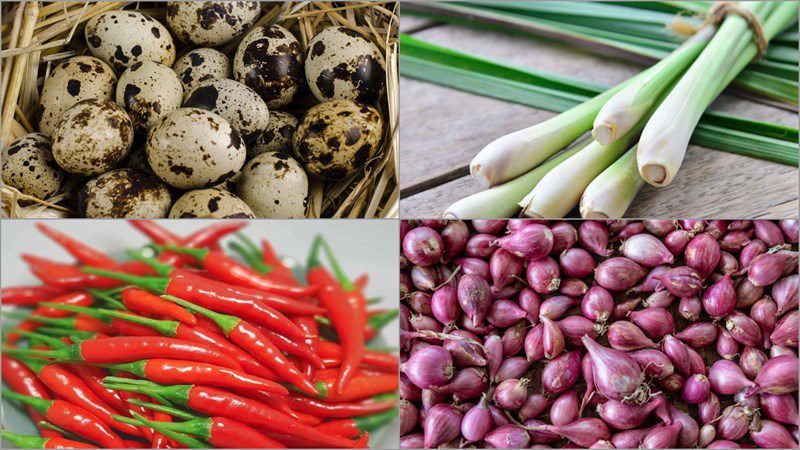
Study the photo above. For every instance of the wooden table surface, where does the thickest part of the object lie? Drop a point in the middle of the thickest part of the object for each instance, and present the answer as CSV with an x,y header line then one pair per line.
x,y
442,129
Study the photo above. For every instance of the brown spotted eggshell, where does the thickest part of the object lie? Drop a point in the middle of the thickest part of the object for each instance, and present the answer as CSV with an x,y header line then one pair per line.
x,y
76,79
210,203
343,64
92,137
122,38
337,138
277,136
235,102
28,166
192,148
124,193
269,60
211,23
199,65
275,186
149,90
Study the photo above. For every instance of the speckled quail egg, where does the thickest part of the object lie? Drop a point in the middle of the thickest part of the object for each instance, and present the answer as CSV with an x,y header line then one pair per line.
x,y
76,79
123,38
270,61
199,65
92,137
149,90
275,186
337,138
211,23
124,193
210,203
28,166
193,148
277,136
235,102
343,64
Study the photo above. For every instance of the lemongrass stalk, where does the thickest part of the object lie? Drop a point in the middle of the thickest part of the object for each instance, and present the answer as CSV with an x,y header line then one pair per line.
x,y
501,200
610,194
516,153
560,190
625,109
665,138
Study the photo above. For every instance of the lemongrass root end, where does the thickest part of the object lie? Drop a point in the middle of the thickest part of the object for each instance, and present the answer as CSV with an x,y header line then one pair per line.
x,y
604,133
655,174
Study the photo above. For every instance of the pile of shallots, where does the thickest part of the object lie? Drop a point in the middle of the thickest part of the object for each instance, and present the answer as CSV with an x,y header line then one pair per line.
x,y
599,334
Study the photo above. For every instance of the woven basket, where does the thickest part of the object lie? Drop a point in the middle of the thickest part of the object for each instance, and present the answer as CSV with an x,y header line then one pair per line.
x,y
35,36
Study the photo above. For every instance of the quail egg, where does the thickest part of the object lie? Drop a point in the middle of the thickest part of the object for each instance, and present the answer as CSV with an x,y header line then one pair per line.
x,y
235,102
28,166
148,90
122,38
78,78
277,136
193,148
92,137
337,138
199,65
210,203
275,186
270,61
211,23
124,193
343,64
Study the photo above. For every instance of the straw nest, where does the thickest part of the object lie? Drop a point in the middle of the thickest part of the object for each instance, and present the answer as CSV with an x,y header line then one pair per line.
x,y
36,36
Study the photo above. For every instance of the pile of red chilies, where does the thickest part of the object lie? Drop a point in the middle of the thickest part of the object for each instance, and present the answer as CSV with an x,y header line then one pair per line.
x,y
599,334
195,349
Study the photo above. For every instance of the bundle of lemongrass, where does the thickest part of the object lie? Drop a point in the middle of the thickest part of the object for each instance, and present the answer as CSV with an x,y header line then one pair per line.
x,y
640,128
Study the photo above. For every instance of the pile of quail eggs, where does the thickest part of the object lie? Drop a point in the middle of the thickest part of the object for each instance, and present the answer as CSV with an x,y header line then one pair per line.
x,y
206,134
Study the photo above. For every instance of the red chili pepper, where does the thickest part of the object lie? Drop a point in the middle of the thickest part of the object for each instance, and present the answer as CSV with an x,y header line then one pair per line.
x,y
123,349
228,270
82,252
209,294
203,237
380,360
22,380
216,402
93,377
29,295
250,338
21,441
361,282
338,410
272,400
75,298
155,232
361,387
143,302
309,326
218,431
66,276
78,322
132,324
301,350
173,371
70,387
346,428
72,418
281,272
160,440
345,306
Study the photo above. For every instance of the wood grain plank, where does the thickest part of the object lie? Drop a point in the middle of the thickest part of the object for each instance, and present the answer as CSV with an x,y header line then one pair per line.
x,y
756,190
444,128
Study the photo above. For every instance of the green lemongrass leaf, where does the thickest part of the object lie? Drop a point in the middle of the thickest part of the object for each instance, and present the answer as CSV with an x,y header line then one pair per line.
x,y
737,135
605,33
611,193
771,86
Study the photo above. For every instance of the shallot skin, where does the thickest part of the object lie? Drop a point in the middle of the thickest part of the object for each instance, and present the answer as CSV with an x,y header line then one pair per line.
x,y
599,333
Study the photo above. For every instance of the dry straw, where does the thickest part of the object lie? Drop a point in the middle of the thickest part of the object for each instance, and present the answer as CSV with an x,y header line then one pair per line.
x,y
36,36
